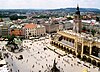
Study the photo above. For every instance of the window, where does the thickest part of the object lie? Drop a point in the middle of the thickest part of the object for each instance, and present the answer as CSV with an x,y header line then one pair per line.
x,y
96,51
86,50
79,47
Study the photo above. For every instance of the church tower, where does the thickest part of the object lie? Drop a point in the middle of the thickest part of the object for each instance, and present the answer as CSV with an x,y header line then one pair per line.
x,y
77,21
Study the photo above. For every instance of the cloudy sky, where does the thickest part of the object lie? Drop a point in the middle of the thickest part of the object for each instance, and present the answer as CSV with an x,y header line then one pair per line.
x,y
47,4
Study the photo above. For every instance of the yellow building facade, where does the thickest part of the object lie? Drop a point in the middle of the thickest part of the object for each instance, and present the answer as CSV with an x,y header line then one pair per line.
x,y
81,45
84,46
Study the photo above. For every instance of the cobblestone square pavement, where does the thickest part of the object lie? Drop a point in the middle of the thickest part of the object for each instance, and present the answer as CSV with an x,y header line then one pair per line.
x,y
38,59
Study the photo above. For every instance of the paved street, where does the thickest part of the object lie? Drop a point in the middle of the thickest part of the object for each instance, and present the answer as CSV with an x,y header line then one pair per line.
x,y
38,59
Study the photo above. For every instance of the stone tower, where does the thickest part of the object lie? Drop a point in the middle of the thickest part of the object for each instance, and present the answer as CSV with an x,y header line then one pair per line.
x,y
77,21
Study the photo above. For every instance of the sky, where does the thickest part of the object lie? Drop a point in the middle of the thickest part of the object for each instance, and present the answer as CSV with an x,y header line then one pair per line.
x,y
47,4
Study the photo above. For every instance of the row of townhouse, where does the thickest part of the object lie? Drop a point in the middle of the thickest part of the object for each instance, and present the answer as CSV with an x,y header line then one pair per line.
x,y
25,30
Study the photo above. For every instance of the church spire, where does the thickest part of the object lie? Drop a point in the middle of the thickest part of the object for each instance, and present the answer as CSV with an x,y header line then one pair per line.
x,y
77,21
77,7
77,10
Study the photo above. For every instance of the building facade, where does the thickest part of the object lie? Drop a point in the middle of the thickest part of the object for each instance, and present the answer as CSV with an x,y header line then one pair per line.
x,y
4,30
33,30
16,32
77,21
52,26
84,46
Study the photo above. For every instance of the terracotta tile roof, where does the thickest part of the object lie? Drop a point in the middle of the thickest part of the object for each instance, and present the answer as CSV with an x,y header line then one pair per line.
x,y
30,25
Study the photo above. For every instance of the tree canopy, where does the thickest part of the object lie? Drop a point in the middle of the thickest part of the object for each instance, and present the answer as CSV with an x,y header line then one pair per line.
x,y
11,38
93,32
16,17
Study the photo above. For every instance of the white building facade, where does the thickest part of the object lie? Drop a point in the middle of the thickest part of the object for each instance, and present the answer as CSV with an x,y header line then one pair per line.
x,y
33,30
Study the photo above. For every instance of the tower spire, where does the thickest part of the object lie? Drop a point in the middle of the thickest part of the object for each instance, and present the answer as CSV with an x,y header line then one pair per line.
x,y
77,21
77,10
77,7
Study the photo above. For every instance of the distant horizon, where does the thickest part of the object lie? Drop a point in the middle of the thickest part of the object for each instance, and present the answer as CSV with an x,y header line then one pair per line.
x,y
43,9
48,4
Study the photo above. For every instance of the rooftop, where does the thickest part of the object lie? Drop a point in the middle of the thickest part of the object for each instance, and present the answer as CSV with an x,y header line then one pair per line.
x,y
82,35
31,25
16,26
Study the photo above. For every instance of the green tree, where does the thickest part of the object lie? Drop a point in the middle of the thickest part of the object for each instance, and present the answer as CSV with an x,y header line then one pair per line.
x,y
69,18
10,39
22,17
93,32
13,17
84,28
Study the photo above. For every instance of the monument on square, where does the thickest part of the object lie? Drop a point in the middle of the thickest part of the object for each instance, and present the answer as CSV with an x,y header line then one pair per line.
x,y
54,68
